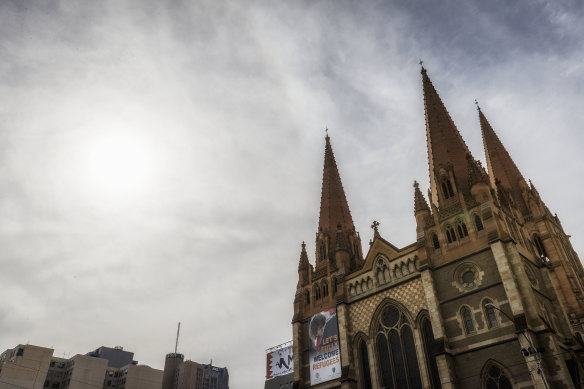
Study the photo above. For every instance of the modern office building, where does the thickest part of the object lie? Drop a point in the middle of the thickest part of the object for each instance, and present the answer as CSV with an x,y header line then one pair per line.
x,y
34,367
181,374
24,366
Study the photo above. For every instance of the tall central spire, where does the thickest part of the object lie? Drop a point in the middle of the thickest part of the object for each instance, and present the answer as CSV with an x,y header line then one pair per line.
x,y
446,148
501,166
334,209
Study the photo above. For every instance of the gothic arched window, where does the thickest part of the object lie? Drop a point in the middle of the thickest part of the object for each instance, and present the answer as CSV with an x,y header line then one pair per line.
x,y
430,348
447,189
478,222
539,246
461,228
492,321
307,298
467,320
396,350
322,251
324,289
450,235
334,285
435,241
495,378
364,359
316,292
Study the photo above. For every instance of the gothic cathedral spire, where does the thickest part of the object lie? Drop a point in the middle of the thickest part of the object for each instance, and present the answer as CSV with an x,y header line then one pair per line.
x,y
502,169
336,231
447,152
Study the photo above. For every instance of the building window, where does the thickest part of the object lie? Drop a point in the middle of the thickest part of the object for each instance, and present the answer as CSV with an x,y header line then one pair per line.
x,y
430,348
307,297
447,189
539,246
324,289
316,292
450,235
467,321
495,378
364,359
322,251
396,350
461,228
478,222
20,352
435,241
492,321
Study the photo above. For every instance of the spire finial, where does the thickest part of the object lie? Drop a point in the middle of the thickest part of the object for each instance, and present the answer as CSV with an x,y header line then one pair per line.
x,y
326,132
423,70
374,225
477,104
416,185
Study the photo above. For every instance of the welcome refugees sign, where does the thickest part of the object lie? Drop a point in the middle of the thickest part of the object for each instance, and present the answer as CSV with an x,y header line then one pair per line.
x,y
324,354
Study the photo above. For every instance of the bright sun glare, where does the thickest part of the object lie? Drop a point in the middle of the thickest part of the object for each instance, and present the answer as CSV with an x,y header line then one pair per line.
x,y
118,165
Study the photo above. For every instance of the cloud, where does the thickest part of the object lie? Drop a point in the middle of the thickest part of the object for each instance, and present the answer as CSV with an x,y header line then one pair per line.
x,y
232,100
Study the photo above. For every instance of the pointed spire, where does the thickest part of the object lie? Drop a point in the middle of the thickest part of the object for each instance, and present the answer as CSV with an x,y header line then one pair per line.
x,y
445,144
420,203
334,209
303,263
501,166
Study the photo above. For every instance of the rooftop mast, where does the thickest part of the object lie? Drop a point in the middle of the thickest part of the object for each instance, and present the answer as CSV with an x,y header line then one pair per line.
x,y
177,332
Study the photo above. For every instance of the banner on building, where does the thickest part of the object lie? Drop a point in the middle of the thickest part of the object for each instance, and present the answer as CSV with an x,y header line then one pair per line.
x,y
279,360
325,353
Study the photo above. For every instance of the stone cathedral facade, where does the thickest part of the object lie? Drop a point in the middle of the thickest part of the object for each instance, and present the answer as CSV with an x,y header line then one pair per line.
x,y
490,295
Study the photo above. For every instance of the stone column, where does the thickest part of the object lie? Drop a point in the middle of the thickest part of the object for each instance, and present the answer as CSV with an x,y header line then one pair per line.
x,y
444,362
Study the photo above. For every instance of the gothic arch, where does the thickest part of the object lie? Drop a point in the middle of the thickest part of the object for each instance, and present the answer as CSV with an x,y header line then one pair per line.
x,y
492,319
449,232
461,228
381,306
396,352
495,376
316,292
429,346
540,248
469,326
447,189
435,241
361,354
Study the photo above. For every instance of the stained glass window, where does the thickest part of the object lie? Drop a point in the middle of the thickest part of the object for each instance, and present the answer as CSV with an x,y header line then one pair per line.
x,y
397,351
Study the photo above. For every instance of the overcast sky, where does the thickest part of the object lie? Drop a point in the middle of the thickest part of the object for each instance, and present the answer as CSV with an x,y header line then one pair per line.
x,y
161,161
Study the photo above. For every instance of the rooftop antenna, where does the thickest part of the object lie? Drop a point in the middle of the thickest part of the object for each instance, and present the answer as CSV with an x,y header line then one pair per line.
x,y
177,332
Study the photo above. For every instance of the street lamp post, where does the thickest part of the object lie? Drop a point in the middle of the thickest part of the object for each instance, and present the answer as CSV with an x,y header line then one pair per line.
x,y
530,350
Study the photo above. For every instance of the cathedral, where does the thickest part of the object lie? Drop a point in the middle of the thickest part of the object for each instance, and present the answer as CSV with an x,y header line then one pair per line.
x,y
489,295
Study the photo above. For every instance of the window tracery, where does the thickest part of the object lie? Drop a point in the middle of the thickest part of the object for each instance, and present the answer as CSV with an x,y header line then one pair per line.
x,y
494,377
396,350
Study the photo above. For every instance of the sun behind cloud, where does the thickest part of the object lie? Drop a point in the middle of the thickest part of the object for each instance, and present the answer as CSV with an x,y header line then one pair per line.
x,y
118,166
